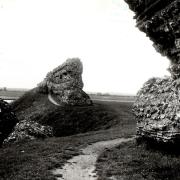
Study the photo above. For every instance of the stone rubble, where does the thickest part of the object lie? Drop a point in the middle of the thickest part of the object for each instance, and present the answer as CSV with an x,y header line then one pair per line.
x,y
28,130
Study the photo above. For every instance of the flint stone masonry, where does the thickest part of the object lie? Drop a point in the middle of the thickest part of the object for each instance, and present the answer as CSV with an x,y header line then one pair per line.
x,y
49,109
65,83
160,20
157,107
28,130
157,110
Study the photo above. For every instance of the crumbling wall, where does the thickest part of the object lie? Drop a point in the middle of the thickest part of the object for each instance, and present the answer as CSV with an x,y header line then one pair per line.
x,y
157,108
65,83
160,20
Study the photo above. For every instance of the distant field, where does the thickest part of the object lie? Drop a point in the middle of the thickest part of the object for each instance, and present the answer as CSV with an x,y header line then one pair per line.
x,y
121,98
12,94
15,94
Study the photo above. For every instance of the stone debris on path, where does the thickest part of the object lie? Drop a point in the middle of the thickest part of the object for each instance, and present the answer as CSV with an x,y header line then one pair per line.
x,y
82,167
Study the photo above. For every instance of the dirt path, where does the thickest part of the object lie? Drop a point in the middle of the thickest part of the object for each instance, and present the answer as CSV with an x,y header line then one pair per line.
x,y
82,167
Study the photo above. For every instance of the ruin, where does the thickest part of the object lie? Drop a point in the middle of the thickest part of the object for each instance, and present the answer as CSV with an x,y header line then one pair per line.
x,y
56,107
64,84
157,108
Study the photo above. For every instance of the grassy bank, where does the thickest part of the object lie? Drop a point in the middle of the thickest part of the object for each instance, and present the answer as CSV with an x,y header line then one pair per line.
x,y
132,162
36,159
69,120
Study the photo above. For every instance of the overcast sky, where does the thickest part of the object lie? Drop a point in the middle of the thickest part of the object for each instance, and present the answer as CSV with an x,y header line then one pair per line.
x,y
38,35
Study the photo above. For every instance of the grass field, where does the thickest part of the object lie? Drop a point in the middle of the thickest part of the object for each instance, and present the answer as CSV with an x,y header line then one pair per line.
x,y
36,159
131,162
69,120
15,93
11,94
122,98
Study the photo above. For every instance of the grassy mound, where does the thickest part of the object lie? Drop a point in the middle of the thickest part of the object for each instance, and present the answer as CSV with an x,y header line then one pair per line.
x,y
68,120
35,159
129,161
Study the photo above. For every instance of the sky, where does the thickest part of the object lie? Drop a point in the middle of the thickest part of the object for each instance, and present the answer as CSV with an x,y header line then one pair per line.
x,y
38,35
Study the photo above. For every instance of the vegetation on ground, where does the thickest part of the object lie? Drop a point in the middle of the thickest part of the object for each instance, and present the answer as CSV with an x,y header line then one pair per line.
x,y
131,161
7,120
69,120
11,93
35,159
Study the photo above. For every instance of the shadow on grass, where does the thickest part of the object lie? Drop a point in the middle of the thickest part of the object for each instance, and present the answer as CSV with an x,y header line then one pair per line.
x,y
171,148
138,162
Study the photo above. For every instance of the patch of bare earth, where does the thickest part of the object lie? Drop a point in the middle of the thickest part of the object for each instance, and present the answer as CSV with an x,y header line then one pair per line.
x,y
82,167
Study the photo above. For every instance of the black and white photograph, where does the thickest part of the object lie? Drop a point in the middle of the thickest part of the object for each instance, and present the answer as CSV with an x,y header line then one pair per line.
x,y
89,89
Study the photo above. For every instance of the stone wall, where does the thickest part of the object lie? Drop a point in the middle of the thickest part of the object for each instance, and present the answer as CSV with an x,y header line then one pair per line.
x,y
160,20
157,108
65,83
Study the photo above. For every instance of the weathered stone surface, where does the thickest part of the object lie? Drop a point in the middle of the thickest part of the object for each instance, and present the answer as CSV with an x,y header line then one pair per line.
x,y
28,130
65,84
50,108
157,110
7,120
160,20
